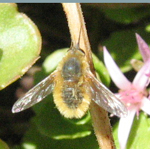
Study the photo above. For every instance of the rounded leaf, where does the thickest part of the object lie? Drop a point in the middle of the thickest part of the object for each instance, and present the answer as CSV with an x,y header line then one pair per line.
x,y
3,145
20,43
127,15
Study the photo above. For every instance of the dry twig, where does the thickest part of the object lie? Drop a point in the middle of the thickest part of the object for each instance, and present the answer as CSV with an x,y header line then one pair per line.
x,y
99,116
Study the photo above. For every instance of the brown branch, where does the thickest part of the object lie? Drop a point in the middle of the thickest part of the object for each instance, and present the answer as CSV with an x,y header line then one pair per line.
x,y
99,116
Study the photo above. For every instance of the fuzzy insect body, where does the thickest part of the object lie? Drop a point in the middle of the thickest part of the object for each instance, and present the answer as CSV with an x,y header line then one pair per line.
x,y
73,86
71,92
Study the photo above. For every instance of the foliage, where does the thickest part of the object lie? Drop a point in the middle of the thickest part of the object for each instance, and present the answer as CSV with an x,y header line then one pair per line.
x,y
20,44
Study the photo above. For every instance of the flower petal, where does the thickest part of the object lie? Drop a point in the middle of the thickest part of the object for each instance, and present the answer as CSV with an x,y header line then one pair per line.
x,y
125,125
143,47
141,79
146,105
116,75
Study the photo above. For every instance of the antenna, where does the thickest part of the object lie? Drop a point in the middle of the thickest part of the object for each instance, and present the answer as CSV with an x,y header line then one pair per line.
x,y
75,45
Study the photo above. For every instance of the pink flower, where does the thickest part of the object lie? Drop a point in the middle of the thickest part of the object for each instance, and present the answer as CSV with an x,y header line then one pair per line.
x,y
132,94
143,47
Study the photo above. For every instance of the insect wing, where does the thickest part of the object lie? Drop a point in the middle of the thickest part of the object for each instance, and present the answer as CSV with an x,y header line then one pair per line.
x,y
35,95
105,98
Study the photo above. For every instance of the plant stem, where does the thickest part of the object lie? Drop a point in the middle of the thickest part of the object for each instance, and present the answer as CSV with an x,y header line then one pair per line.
x,y
99,116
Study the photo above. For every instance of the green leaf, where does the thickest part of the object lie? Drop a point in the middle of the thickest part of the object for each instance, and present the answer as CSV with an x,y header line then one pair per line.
x,y
101,70
3,145
20,43
127,15
35,140
53,59
50,122
139,134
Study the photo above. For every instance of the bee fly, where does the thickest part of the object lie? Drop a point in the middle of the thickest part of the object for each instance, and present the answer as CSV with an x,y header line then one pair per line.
x,y
73,86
